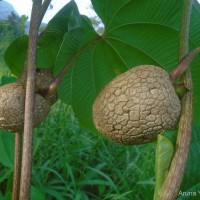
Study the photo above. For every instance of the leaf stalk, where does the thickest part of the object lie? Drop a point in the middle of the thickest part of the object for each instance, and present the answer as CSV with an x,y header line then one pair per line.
x,y
183,65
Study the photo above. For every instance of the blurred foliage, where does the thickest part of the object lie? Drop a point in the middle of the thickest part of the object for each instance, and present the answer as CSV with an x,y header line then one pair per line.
x,y
9,29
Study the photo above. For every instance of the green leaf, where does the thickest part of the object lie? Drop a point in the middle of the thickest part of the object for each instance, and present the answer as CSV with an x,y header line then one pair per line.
x,y
36,144
8,196
7,79
7,149
15,54
48,47
36,194
136,32
191,182
7,144
7,176
53,193
73,42
107,10
164,154
59,23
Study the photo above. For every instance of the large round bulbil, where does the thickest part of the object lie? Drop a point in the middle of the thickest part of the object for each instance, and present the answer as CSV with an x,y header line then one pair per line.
x,y
12,103
137,105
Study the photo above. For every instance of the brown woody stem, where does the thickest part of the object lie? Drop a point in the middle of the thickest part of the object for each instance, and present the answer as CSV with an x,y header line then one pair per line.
x,y
26,170
29,73
17,167
42,10
178,164
183,64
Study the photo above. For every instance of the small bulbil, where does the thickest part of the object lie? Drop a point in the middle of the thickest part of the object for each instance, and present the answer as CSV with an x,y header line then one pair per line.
x,y
12,103
137,105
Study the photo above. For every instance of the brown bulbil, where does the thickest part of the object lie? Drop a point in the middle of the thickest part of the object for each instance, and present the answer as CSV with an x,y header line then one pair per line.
x,y
12,101
137,105
43,78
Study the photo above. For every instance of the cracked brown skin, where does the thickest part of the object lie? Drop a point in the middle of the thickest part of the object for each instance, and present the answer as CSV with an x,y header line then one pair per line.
x,y
137,105
12,103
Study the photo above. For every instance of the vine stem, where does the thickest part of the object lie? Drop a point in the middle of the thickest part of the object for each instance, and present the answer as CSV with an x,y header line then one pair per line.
x,y
38,11
176,171
40,16
25,183
17,167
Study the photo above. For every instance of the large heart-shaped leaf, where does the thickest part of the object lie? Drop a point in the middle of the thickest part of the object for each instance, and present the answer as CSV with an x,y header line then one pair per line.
x,y
136,32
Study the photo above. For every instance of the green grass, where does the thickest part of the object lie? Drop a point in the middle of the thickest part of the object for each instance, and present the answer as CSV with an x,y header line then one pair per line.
x,y
73,163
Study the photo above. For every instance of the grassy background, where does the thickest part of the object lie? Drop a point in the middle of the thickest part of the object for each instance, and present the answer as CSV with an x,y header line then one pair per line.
x,y
72,163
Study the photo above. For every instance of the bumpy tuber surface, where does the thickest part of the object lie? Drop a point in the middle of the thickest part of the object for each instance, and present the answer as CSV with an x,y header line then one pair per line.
x,y
12,102
137,105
